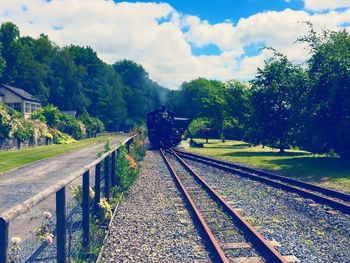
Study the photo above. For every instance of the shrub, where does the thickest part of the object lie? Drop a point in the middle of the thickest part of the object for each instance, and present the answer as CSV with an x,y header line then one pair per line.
x,y
62,138
71,126
48,114
140,132
22,129
5,122
92,125
138,149
127,169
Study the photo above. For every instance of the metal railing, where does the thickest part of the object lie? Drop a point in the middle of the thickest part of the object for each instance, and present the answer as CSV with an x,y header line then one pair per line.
x,y
59,189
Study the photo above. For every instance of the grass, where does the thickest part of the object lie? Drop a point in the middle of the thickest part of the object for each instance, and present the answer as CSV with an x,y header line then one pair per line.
x,y
326,171
18,158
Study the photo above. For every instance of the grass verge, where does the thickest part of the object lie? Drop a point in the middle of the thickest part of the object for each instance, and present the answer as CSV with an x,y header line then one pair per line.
x,y
17,158
320,169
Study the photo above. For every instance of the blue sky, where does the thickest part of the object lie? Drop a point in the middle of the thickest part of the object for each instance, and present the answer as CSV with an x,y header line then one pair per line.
x,y
180,40
216,11
228,10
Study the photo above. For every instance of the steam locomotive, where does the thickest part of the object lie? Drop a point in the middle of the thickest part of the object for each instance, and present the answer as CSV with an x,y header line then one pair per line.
x,y
164,129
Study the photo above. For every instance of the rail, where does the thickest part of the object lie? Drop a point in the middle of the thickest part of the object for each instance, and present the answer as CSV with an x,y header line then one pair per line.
x,y
318,194
59,189
260,243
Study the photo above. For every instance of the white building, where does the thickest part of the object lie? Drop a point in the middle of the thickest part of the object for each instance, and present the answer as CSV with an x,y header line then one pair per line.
x,y
19,100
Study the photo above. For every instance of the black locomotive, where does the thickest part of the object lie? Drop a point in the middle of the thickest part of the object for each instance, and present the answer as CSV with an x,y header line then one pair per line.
x,y
164,129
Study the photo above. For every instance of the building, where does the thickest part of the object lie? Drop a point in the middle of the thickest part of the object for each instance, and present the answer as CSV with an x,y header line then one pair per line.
x,y
19,100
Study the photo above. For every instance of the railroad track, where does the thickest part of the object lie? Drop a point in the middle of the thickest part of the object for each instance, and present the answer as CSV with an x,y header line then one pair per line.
x,y
337,200
230,238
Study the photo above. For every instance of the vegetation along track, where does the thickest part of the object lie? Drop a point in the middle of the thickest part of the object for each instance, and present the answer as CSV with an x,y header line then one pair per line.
x,y
230,237
329,197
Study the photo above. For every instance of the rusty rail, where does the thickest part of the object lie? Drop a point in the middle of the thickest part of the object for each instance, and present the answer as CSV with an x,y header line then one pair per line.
x,y
219,253
259,242
319,194
59,189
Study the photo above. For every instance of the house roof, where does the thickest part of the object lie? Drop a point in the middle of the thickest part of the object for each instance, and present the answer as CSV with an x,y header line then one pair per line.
x,y
21,93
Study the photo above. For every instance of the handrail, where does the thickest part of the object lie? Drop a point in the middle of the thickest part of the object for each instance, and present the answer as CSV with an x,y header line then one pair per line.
x,y
24,207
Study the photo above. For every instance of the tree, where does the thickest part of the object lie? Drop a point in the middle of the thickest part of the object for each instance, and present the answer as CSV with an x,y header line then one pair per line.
x,y
215,107
329,96
238,108
275,94
2,62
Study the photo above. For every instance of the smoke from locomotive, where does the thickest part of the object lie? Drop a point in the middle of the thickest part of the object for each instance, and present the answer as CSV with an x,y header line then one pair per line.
x,y
164,129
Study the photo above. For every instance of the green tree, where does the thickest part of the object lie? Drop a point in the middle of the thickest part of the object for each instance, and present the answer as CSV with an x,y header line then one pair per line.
x,y
215,107
238,109
328,105
275,93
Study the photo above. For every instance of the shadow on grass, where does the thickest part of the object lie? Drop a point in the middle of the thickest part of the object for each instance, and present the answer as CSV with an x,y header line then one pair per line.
x,y
228,146
265,154
314,169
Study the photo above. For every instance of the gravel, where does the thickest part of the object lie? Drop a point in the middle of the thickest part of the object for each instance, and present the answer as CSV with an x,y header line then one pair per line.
x,y
217,220
152,224
307,230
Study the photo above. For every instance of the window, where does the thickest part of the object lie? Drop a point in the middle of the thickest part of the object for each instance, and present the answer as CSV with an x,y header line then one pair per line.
x,y
32,107
27,107
16,106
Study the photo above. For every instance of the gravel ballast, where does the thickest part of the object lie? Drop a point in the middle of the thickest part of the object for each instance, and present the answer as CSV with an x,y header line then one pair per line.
x,y
152,224
309,231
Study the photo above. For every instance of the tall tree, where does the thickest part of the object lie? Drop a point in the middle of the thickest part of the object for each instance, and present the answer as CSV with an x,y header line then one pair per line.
x,y
329,95
274,95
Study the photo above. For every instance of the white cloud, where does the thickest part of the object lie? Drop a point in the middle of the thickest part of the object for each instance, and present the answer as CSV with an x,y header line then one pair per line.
x,y
318,5
153,34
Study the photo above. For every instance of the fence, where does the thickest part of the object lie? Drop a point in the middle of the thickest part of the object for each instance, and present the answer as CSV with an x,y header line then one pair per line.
x,y
59,189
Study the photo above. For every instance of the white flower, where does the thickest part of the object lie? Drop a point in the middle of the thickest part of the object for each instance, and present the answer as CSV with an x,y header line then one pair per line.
x,y
49,240
15,241
47,215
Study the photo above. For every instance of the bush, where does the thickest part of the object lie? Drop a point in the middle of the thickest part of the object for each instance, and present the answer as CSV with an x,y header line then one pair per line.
x,y
22,129
48,114
92,125
5,122
127,169
140,131
138,149
62,138
196,127
71,126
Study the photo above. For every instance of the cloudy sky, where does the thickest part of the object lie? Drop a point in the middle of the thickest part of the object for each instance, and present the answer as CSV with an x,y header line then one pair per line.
x,y
179,40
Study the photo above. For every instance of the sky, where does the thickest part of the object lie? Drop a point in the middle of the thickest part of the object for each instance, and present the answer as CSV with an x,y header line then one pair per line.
x,y
180,40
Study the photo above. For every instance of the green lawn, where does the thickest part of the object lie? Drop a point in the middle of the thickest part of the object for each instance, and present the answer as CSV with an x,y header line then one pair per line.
x,y
322,170
17,158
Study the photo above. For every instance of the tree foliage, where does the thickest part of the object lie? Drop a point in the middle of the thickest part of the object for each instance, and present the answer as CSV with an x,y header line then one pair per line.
x,y
286,105
328,104
74,78
276,93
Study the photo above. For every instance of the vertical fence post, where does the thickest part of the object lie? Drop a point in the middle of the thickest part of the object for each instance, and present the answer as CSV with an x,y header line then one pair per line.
x,y
97,188
106,175
4,239
128,146
61,225
86,217
113,169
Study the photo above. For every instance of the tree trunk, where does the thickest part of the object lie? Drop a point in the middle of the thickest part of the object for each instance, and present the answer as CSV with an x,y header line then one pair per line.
x,y
222,137
281,146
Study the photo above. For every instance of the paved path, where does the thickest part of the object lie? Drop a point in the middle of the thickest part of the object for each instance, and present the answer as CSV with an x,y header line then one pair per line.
x,y
18,185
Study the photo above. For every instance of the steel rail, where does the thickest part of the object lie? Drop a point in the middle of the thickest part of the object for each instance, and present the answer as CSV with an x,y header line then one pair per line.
x,y
326,191
219,253
260,243
287,184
